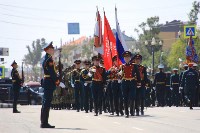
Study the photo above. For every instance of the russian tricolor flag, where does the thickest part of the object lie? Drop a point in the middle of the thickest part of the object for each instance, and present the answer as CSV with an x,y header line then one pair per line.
x,y
120,42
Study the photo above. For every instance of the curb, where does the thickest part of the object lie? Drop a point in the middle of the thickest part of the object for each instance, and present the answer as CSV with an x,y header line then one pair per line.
x,y
6,105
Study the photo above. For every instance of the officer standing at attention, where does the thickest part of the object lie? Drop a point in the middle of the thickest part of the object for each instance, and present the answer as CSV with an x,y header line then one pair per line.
x,y
16,85
76,84
98,81
130,76
140,91
190,82
174,82
159,83
49,84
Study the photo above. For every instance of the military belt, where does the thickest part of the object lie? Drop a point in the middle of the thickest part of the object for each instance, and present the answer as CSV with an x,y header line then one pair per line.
x,y
167,85
13,81
47,76
129,79
160,83
175,83
77,80
96,80
88,81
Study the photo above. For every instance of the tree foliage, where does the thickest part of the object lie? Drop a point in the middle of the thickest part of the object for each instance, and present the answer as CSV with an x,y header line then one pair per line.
x,y
33,56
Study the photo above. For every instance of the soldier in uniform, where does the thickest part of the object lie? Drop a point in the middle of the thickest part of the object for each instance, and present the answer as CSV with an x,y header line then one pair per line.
x,y
159,83
86,81
168,90
190,82
197,90
16,85
174,82
140,91
129,83
115,87
181,88
76,84
49,84
98,81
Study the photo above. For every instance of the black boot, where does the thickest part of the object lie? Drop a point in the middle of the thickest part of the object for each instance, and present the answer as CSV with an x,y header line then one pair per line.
x,y
44,118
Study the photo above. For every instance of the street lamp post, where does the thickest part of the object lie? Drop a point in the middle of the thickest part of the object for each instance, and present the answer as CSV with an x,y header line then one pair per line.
x,y
152,45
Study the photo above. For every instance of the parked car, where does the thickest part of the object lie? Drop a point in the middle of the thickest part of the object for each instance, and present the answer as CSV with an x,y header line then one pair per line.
x,y
27,95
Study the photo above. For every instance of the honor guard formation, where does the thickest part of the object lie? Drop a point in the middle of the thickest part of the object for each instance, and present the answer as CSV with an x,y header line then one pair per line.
x,y
123,90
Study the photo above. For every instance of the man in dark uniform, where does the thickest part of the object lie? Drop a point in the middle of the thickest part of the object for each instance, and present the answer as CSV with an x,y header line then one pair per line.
x,y
181,88
16,82
115,87
130,76
159,83
140,91
168,90
98,81
174,82
190,82
197,90
86,81
49,84
76,84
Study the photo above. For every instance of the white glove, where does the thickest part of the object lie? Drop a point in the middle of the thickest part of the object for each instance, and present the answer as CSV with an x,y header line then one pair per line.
x,y
72,85
93,70
62,85
171,88
154,88
89,74
180,88
119,81
85,84
120,73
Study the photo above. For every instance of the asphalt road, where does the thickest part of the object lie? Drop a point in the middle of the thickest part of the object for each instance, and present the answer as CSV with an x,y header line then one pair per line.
x,y
155,120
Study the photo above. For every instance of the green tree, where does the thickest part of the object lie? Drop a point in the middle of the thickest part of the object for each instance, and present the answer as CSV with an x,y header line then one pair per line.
x,y
193,14
34,56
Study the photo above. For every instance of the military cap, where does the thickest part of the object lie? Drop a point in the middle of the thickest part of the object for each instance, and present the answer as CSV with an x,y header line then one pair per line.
x,y
87,62
47,46
114,58
13,63
77,61
175,69
126,53
95,58
137,56
161,66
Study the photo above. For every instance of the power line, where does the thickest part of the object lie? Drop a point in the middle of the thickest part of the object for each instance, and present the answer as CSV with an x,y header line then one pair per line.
x,y
27,25
34,18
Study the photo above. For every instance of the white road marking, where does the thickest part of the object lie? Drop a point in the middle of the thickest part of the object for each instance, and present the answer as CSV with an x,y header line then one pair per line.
x,y
86,116
99,118
137,128
116,123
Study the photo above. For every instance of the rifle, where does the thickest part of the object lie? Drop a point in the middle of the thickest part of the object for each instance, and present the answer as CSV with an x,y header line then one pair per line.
x,y
63,91
22,73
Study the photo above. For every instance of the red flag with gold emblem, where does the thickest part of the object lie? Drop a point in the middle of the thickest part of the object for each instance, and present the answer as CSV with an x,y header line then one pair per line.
x,y
109,44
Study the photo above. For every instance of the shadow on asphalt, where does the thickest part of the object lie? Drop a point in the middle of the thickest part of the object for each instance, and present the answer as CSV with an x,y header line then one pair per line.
x,y
72,128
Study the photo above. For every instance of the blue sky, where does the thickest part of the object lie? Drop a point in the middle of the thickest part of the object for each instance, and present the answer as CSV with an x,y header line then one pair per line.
x,y
22,21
